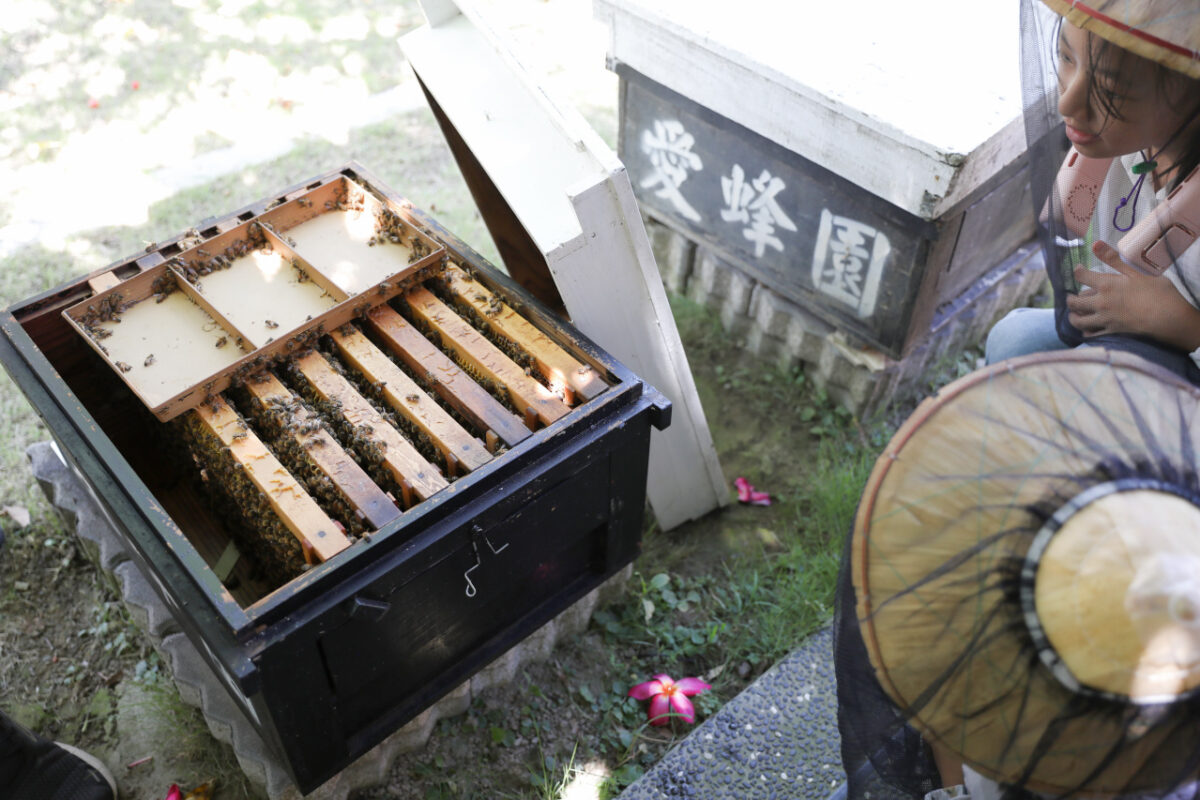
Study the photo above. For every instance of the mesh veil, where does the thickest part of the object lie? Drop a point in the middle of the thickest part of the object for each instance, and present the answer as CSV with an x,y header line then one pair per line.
x,y
930,596
1058,200
1121,413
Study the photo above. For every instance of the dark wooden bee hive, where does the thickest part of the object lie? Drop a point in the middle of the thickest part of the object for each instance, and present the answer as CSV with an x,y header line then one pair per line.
x,y
353,504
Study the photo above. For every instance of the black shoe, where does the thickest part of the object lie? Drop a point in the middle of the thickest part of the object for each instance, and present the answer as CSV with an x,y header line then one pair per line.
x,y
32,768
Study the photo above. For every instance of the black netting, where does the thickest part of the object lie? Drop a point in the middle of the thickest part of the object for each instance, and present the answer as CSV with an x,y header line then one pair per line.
x,y
1058,428
878,744
1101,200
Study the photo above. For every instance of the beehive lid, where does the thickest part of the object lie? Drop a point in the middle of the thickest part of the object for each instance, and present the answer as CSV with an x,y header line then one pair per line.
x,y
553,192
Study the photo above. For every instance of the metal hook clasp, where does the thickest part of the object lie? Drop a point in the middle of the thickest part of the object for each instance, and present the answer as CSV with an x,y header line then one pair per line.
x,y
471,590
476,535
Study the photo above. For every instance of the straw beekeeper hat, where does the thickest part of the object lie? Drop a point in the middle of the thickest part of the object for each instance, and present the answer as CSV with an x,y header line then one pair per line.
x,y
1026,563
1165,31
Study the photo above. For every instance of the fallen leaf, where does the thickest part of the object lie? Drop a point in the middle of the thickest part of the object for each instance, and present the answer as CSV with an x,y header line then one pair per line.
x,y
769,539
202,792
18,514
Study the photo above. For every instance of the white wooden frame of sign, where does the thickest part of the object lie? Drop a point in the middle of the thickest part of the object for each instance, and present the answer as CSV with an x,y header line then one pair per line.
x,y
573,197
888,95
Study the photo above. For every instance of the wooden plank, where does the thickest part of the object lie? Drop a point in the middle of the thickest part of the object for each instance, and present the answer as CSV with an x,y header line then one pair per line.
x,y
368,500
455,443
560,368
449,380
103,282
522,259
297,510
477,353
400,458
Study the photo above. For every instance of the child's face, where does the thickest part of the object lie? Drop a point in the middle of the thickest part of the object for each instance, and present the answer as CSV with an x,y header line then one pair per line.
x,y
1148,119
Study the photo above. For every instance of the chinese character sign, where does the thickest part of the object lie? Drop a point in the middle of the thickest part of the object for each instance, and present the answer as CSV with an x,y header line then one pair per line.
x,y
753,203
669,147
848,262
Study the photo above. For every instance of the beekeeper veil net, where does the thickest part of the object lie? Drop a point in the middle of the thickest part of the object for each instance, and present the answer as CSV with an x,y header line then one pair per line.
x,y
1126,76
1022,583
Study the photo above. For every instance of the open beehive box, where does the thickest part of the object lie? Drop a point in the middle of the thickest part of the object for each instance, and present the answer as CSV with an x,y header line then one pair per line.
x,y
355,460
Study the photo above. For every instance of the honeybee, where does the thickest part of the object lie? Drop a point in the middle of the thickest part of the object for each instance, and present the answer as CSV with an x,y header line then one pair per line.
x,y
270,323
237,437
413,398
224,340
303,202
149,360
121,365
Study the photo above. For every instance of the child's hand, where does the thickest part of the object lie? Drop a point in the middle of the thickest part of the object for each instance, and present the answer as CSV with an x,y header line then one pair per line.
x,y
1131,302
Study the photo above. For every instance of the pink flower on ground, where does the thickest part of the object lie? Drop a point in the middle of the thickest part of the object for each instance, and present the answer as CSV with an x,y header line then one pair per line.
x,y
665,694
748,494
173,793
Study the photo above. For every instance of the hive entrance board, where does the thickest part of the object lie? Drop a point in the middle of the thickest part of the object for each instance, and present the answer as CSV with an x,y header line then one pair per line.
x,y
225,306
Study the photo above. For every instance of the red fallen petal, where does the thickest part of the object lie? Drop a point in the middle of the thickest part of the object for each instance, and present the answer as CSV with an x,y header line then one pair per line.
x,y
93,102
660,708
687,712
135,86
645,690
760,499
173,793
692,686
743,489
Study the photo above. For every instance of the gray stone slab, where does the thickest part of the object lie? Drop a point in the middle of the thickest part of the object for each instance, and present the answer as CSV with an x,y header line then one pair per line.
x,y
777,740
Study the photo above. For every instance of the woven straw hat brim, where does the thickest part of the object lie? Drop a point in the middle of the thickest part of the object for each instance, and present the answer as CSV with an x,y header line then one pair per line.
x,y
1164,31
945,523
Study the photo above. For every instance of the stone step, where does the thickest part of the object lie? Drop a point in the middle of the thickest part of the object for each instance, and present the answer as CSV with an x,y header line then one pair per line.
x,y
777,739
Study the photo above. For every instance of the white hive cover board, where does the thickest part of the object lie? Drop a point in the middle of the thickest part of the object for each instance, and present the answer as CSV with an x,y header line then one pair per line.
x,y
573,197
